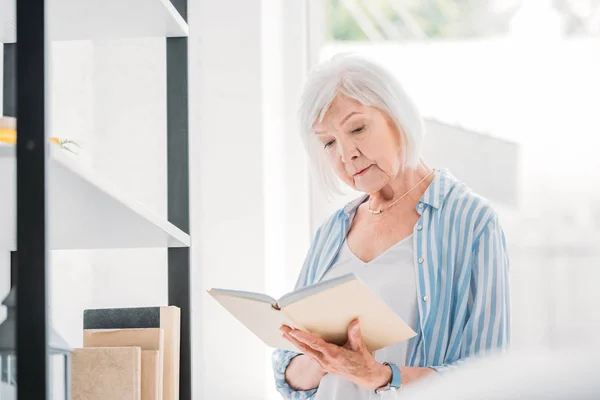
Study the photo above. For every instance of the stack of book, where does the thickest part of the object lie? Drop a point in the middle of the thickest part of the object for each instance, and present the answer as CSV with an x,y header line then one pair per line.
x,y
128,354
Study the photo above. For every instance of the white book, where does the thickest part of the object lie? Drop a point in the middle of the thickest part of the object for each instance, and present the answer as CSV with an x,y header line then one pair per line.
x,y
324,309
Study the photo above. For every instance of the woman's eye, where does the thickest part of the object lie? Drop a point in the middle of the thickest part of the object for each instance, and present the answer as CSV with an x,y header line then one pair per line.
x,y
328,144
358,130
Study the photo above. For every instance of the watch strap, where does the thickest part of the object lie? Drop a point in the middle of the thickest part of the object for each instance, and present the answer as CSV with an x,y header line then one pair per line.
x,y
396,377
396,382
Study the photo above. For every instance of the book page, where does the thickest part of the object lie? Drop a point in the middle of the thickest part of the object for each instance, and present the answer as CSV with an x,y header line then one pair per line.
x,y
258,316
327,314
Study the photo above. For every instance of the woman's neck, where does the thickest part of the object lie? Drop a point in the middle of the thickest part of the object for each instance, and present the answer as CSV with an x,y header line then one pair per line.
x,y
404,182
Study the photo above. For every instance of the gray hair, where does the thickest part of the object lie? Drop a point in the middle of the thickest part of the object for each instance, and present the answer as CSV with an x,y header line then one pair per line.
x,y
368,83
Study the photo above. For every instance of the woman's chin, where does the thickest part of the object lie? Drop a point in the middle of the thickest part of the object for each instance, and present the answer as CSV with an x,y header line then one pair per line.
x,y
367,187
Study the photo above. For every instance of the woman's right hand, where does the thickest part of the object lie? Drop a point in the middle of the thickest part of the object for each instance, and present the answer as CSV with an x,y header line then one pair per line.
x,y
353,361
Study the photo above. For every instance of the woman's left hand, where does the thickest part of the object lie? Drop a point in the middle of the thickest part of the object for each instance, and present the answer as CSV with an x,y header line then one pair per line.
x,y
352,361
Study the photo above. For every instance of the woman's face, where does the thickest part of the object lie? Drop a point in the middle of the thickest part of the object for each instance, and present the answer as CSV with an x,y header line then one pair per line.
x,y
361,143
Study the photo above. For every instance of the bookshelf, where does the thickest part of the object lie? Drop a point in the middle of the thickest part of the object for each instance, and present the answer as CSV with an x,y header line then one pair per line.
x,y
85,211
48,183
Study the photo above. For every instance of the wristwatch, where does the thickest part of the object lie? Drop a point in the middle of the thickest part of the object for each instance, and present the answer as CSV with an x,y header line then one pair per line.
x,y
396,382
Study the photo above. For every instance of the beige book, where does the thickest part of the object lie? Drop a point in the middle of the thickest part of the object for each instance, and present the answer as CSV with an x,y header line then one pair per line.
x,y
170,321
324,309
146,339
106,373
151,375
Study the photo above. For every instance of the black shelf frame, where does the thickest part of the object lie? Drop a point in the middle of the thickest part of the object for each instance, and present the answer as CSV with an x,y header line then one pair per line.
x,y
178,193
24,97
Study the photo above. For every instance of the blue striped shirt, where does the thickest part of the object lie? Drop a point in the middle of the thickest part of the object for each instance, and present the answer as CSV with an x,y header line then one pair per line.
x,y
461,265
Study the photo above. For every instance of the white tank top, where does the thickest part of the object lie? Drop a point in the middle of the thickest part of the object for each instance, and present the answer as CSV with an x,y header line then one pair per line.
x,y
391,276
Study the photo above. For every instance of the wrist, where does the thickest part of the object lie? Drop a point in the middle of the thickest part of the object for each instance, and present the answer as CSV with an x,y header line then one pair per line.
x,y
315,367
319,371
381,377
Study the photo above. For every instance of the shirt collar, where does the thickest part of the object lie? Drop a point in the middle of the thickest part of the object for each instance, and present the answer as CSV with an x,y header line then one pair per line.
x,y
434,195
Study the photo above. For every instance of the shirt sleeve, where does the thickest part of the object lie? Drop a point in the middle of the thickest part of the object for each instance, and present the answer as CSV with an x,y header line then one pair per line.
x,y
488,325
281,360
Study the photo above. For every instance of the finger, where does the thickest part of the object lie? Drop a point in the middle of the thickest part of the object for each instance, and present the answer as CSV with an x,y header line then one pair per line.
x,y
354,336
354,329
285,329
313,341
301,346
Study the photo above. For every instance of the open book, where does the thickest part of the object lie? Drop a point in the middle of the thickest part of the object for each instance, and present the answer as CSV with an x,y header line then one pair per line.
x,y
324,309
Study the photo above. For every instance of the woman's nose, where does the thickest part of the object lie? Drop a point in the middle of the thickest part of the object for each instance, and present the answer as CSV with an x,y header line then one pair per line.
x,y
348,152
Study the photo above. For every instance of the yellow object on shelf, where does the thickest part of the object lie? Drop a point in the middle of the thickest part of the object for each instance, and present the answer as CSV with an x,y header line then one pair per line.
x,y
8,132
7,136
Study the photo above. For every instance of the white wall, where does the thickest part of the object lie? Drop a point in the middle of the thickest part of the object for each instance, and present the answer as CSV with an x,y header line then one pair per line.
x,y
249,188
227,186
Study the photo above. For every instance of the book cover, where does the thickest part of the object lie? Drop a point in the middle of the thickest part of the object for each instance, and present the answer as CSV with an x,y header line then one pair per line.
x,y
106,373
166,318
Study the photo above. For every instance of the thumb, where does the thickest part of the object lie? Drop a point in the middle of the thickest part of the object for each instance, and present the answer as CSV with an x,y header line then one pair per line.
x,y
354,335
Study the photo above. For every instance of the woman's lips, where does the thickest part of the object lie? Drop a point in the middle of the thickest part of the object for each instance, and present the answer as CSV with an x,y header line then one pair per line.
x,y
362,171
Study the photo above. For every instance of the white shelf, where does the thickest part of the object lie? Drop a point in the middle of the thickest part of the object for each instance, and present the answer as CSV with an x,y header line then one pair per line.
x,y
84,210
101,19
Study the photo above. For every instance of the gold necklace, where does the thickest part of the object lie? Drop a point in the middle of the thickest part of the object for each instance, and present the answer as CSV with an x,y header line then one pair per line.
x,y
379,211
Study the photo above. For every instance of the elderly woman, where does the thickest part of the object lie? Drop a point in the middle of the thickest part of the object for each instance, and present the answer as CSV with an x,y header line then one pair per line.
x,y
430,247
